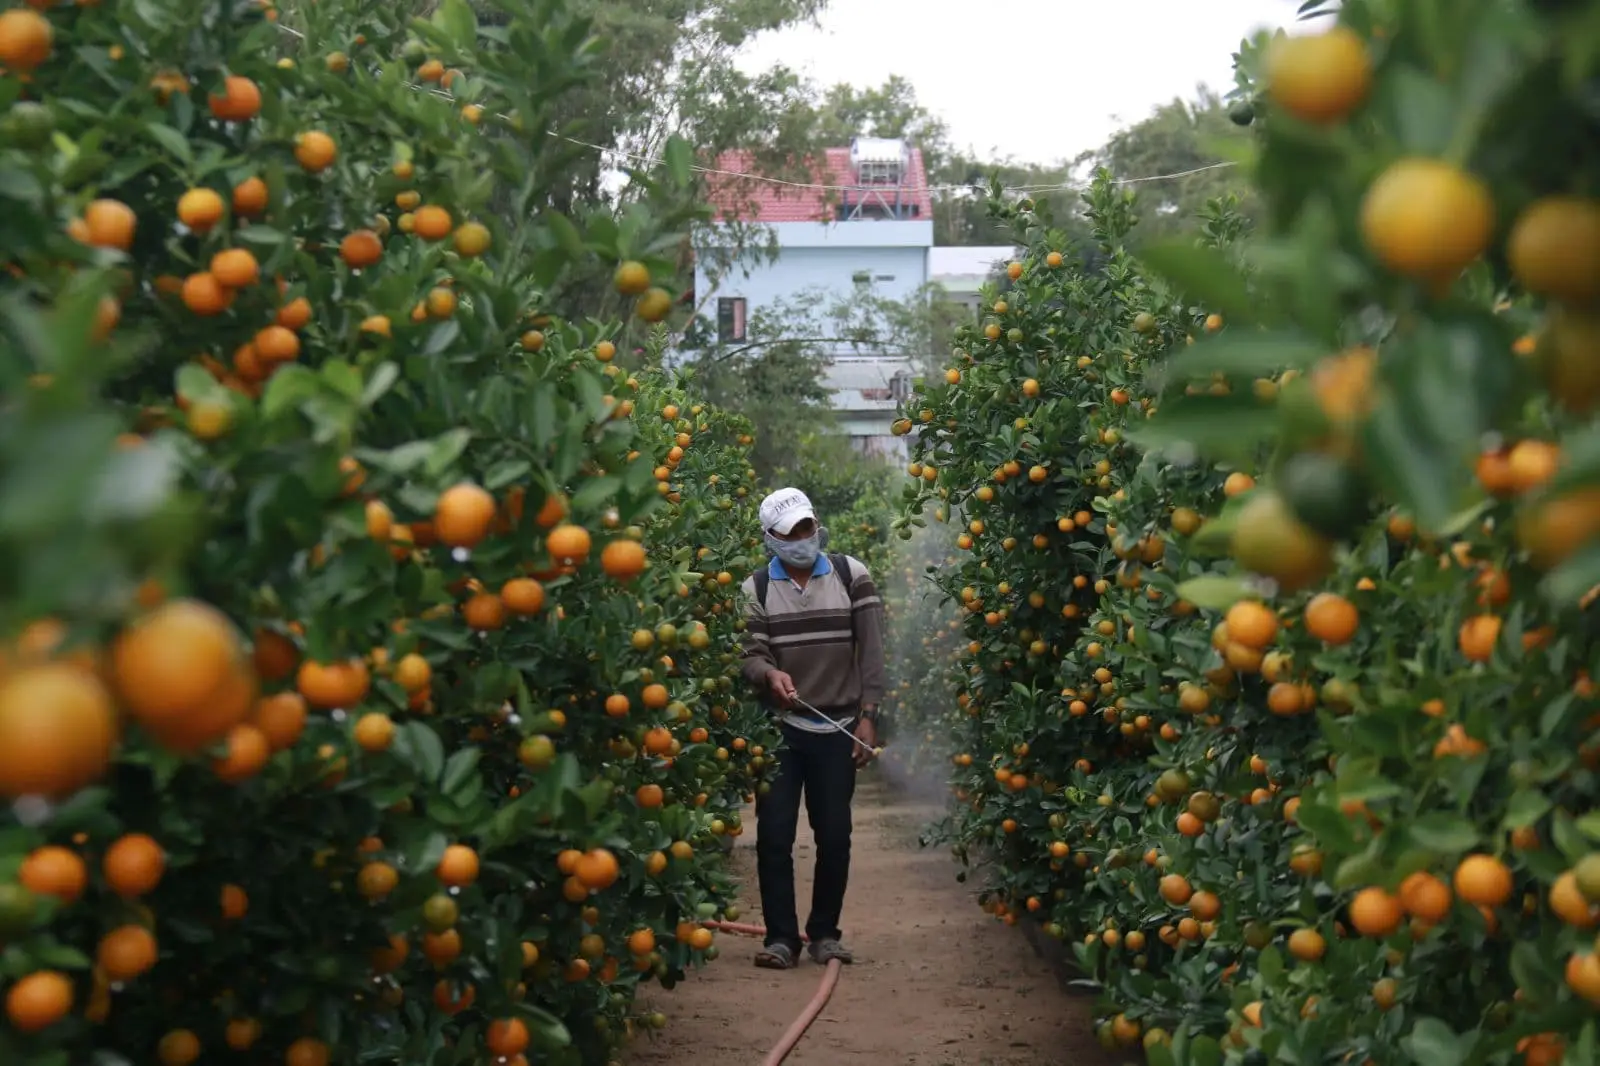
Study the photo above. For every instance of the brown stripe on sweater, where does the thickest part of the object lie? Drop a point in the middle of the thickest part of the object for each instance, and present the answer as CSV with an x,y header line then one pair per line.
x,y
786,625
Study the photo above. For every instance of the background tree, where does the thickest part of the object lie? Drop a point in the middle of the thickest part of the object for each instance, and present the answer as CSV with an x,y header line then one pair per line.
x,y
1196,136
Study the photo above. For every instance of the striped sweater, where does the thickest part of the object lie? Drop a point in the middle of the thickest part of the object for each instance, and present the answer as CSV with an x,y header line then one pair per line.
x,y
827,637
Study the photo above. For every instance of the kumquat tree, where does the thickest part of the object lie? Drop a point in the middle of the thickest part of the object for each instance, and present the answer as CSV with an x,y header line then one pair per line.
x,y
1277,560
369,633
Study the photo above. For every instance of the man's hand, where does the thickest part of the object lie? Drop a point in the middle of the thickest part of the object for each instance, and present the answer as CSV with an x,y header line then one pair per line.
x,y
781,685
867,733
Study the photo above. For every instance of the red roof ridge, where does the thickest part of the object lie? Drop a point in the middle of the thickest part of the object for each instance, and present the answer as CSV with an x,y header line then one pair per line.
x,y
743,193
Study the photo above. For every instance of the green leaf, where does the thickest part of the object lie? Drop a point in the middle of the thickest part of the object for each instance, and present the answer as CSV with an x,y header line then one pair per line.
x,y
1220,427
1421,109
1213,592
567,235
1567,583
1526,806
459,770
1205,276
1433,1043
260,235
680,160
1247,352
421,748
1587,824
441,337
457,19
1445,833
290,386
384,375
445,450
595,491
194,382
171,140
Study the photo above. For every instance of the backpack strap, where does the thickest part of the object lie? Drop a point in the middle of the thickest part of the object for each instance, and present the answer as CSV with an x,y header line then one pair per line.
x,y
841,565
763,579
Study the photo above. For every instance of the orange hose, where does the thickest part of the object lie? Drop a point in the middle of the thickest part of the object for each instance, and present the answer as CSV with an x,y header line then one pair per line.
x,y
791,1037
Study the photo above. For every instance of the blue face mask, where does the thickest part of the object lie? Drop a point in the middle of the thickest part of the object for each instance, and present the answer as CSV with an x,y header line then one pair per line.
x,y
797,553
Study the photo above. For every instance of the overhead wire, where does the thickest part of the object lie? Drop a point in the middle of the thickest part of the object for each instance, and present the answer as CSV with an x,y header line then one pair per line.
x,y
764,179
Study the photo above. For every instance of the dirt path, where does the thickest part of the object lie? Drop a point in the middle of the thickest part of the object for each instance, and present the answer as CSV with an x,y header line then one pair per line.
x,y
936,982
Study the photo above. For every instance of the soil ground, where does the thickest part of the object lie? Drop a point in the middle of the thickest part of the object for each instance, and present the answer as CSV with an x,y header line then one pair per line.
x,y
936,982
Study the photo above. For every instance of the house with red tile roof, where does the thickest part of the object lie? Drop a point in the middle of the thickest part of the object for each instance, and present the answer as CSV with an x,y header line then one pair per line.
x,y
862,220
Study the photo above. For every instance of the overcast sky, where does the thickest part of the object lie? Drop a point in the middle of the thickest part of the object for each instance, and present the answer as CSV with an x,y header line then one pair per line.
x,y
1037,80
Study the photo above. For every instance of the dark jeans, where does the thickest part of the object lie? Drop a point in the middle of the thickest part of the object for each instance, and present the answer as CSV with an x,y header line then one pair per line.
x,y
823,766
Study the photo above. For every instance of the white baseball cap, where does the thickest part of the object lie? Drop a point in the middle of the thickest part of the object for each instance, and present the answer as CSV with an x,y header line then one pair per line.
x,y
781,511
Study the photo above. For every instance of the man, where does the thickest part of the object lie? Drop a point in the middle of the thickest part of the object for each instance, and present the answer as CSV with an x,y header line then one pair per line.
x,y
814,634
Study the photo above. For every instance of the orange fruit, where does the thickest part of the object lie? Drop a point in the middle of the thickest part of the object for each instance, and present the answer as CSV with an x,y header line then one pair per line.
x,y
522,595
360,249
431,222
597,870
1478,636
235,268
1175,889
308,1051
274,655
200,209
1425,896
484,611
26,39
281,718
295,314
1426,219
376,880
623,559
1375,912
1319,78
58,729
181,674
458,866
506,1037
239,101
133,865
568,543
110,224
1483,880
1570,904
248,750
234,902
52,870
126,952
1307,945
240,1034
315,151
631,278
333,685
440,302
204,295
1251,624
412,672
1331,618
250,197
374,732
1554,248
43,997
472,239
463,515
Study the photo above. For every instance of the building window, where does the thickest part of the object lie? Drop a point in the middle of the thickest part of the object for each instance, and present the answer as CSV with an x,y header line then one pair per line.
x,y
884,277
730,319
862,277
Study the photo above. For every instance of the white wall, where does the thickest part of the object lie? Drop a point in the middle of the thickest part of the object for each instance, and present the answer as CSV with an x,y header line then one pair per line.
x,y
824,256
